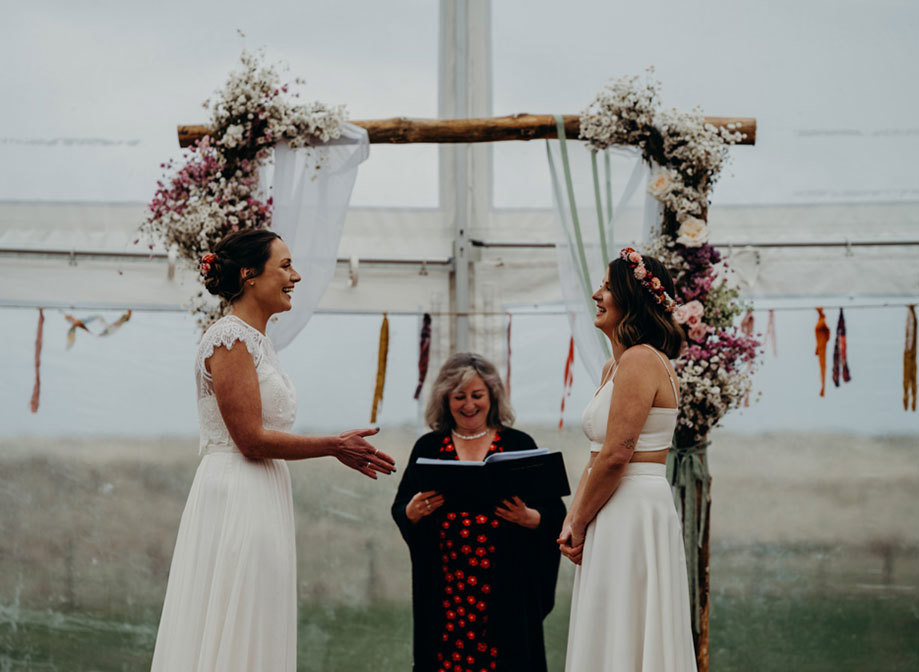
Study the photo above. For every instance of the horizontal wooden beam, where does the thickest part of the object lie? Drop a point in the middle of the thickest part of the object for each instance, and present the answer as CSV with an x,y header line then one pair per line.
x,y
403,130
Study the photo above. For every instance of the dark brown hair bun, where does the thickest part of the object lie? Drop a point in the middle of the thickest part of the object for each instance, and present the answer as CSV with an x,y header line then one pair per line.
x,y
250,248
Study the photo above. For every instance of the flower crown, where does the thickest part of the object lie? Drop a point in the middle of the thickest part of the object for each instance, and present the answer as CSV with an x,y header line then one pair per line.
x,y
205,266
645,277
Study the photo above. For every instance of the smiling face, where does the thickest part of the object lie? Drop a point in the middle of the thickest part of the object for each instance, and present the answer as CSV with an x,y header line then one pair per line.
x,y
608,313
469,406
273,287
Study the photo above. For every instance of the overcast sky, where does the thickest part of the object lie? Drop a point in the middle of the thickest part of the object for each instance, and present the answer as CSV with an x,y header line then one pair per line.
x,y
831,83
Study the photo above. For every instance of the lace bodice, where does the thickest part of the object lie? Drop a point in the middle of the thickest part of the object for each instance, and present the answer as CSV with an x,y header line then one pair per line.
x,y
279,398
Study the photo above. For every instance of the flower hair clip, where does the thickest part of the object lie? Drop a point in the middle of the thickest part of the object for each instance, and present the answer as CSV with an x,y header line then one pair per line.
x,y
646,278
206,261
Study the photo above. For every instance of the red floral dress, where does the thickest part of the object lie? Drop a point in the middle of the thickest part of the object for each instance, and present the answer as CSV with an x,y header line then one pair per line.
x,y
468,569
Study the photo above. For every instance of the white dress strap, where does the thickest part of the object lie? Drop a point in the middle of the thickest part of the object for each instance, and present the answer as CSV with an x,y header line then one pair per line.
x,y
676,396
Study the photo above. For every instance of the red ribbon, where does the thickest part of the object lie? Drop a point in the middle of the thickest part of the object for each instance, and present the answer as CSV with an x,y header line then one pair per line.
x,y
569,380
840,363
424,352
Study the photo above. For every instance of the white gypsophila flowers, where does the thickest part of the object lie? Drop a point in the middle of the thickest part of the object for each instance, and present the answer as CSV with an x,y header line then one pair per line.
x,y
252,109
621,114
714,391
625,113
697,149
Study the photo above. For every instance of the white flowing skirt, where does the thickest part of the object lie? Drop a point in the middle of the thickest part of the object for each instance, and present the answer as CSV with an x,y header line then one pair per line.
x,y
630,603
231,599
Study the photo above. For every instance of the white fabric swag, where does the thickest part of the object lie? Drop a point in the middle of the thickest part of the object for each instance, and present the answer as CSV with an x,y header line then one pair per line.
x,y
311,188
585,210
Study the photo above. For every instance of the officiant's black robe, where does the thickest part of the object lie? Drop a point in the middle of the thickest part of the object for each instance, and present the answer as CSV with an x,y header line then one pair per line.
x,y
526,570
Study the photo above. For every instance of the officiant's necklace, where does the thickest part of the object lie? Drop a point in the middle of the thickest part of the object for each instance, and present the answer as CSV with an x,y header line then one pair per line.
x,y
471,437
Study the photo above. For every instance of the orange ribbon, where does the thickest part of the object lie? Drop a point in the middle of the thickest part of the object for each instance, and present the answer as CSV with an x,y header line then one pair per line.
x,y
822,332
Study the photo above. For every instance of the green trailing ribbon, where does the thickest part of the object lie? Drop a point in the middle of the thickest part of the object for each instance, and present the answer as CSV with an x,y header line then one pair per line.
x,y
687,466
598,201
576,246
575,222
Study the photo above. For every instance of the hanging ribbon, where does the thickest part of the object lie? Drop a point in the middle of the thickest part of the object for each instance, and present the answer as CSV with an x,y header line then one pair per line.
x,y
840,362
823,336
424,353
507,380
107,328
909,359
687,470
381,367
33,404
770,333
569,380
746,326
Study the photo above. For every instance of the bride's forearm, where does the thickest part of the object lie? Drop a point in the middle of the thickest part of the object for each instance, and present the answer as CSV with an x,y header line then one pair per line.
x,y
579,492
271,444
605,473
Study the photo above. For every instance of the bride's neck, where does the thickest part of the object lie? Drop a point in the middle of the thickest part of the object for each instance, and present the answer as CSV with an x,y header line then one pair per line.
x,y
250,313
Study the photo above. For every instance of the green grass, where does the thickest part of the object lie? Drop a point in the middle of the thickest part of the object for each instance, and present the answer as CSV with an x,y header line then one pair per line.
x,y
814,634
756,632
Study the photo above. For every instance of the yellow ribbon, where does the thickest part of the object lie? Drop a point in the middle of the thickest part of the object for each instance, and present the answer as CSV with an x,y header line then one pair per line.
x,y
381,368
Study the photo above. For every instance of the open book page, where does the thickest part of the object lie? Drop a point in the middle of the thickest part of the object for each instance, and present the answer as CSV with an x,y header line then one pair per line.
x,y
494,457
449,463
515,455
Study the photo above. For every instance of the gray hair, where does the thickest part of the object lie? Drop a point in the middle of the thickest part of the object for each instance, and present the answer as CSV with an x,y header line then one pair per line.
x,y
456,372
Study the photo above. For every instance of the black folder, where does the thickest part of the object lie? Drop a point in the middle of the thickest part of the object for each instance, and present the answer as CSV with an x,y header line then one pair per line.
x,y
533,475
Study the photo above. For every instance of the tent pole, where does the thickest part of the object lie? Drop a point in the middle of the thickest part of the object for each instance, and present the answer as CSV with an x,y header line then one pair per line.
x,y
461,223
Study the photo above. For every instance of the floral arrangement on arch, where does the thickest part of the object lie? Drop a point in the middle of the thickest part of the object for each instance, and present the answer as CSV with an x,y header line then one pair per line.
x,y
686,155
213,189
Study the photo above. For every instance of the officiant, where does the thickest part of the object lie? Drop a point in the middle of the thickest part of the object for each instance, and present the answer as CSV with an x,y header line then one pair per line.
x,y
483,575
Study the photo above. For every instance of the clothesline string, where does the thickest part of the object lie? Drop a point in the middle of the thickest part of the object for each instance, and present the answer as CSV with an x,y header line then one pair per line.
x,y
444,313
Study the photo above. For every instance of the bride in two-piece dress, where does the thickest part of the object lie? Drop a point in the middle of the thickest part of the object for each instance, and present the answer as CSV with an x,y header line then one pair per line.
x,y
630,602
231,599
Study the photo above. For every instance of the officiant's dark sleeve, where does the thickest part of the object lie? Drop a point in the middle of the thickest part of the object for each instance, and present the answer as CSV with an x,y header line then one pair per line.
x,y
408,488
542,541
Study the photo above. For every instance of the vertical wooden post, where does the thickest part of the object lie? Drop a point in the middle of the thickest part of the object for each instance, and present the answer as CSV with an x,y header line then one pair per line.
x,y
704,551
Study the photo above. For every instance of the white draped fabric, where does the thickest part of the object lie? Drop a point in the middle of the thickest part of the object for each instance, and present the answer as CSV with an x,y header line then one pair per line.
x,y
634,210
311,188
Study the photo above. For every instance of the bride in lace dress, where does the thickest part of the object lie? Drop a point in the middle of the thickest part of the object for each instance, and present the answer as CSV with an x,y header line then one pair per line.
x,y
231,599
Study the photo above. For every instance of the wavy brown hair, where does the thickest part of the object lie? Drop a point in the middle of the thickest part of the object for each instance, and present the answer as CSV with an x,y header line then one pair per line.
x,y
454,375
644,320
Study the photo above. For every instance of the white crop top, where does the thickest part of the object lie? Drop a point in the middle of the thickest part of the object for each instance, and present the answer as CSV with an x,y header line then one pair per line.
x,y
657,432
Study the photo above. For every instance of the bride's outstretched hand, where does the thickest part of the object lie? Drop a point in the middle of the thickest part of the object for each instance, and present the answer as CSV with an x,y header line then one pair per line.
x,y
353,451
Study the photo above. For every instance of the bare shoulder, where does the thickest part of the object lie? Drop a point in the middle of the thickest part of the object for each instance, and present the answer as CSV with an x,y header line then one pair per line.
x,y
638,356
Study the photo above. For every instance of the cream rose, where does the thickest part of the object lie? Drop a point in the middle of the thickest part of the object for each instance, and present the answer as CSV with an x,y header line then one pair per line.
x,y
660,184
693,232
